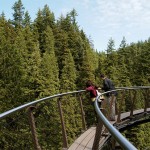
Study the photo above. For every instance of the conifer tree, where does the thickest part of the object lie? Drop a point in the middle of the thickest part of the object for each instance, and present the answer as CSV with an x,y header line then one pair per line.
x,y
73,14
39,27
18,14
73,38
33,62
123,74
130,62
61,43
142,65
44,18
48,17
111,60
75,42
27,19
87,71
68,76
21,48
70,105
101,68
49,86
49,66
8,63
87,68
13,75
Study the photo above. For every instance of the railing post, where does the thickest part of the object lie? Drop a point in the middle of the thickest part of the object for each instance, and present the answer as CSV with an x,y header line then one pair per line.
x,y
133,102
82,114
33,128
120,106
65,143
146,99
98,133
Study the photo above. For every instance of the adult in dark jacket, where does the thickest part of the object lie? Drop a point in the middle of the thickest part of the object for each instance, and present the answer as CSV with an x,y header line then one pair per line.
x,y
110,99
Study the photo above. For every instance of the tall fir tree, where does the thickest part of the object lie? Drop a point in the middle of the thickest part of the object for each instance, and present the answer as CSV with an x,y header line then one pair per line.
x,y
122,66
48,17
8,64
18,14
33,62
61,43
49,68
39,28
87,72
44,18
49,86
27,19
74,38
142,67
111,60
68,75
67,83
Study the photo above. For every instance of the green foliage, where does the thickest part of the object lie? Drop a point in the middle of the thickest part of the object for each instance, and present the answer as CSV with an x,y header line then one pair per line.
x,y
68,76
49,67
27,19
18,14
51,56
87,68
141,135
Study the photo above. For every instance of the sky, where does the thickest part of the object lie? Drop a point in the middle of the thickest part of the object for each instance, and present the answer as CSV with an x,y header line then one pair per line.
x,y
101,20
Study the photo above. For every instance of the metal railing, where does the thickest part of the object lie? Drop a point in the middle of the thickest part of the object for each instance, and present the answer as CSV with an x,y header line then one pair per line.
x,y
5,114
30,107
124,143
114,132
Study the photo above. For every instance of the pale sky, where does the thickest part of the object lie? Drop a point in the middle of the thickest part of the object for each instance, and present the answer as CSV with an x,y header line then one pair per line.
x,y
100,19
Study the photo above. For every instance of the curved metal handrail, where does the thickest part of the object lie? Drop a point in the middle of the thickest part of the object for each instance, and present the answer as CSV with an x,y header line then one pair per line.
x,y
3,115
114,132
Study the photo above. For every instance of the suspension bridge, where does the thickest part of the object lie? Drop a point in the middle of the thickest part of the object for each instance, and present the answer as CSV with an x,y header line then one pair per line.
x,y
105,131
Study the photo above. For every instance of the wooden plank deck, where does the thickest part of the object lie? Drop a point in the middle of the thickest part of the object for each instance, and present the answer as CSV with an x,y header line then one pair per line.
x,y
85,141
82,141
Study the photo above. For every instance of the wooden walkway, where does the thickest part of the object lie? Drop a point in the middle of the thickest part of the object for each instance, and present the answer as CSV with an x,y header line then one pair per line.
x,y
85,141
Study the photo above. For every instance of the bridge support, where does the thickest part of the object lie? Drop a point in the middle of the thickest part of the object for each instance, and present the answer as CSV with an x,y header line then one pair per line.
x,y
65,143
146,99
98,133
33,128
133,99
120,106
82,114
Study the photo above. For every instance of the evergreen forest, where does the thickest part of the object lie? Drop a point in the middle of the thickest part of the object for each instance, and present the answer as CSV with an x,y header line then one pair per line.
x,y
47,56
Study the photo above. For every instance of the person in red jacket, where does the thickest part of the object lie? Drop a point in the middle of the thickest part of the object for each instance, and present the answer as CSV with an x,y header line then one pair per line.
x,y
92,89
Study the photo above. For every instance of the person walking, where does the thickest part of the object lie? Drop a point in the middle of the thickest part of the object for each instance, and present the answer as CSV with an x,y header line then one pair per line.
x,y
110,99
